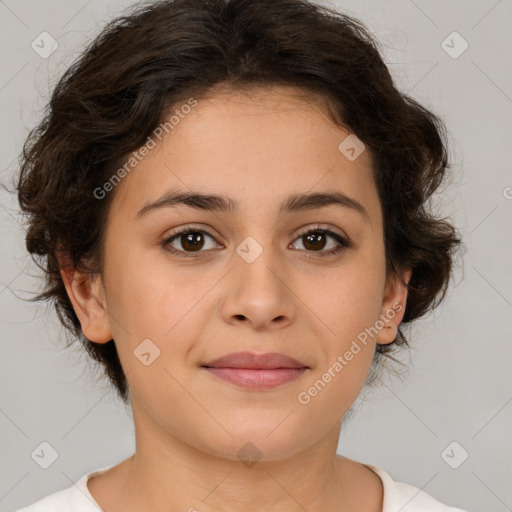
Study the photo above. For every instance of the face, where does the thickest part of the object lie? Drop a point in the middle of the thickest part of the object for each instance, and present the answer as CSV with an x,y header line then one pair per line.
x,y
300,278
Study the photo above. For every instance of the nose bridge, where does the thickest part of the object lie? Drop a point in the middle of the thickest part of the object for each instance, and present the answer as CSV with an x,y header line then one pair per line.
x,y
258,261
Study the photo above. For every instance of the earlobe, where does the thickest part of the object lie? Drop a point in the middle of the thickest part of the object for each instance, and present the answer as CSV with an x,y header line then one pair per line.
x,y
85,291
393,307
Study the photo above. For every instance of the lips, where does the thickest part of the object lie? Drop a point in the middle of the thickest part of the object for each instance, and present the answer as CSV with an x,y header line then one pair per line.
x,y
249,360
256,371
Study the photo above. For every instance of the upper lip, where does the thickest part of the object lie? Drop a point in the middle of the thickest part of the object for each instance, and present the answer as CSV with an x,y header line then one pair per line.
x,y
266,361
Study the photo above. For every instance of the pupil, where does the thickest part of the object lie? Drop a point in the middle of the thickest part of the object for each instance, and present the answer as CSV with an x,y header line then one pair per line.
x,y
192,241
312,238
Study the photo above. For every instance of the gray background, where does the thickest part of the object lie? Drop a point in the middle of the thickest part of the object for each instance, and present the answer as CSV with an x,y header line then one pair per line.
x,y
459,384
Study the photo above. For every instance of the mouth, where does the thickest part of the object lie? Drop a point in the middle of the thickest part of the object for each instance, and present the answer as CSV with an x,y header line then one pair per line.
x,y
256,371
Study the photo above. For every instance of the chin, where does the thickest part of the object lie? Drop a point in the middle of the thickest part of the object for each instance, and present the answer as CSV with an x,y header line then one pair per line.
x,y
261,441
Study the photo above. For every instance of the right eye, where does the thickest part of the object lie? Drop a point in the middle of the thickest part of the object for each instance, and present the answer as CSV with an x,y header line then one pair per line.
x,y
191,240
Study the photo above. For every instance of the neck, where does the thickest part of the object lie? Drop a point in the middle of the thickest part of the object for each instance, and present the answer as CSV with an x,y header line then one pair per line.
x,y
176,476
166,473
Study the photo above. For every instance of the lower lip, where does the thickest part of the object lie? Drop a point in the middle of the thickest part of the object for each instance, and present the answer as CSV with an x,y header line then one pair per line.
x,y
257,379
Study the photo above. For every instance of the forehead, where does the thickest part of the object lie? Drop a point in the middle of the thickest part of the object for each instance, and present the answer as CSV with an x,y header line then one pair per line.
x,y
256,146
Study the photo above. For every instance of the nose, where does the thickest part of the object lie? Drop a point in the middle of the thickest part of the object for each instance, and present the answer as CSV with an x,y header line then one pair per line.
x,y
259,293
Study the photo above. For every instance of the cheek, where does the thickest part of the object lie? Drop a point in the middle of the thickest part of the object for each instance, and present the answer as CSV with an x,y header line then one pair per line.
x,y
164,315
347,304
349,308
149,294
346,301
161,303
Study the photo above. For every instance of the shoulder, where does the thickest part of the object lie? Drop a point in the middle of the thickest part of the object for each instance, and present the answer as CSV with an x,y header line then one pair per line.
x,y
407,498
75,498
59,501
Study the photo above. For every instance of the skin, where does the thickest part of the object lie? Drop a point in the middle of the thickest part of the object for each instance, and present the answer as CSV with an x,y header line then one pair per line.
x,y
257,149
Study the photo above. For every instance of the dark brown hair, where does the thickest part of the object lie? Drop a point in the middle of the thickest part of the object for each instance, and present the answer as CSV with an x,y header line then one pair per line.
x,y
143,63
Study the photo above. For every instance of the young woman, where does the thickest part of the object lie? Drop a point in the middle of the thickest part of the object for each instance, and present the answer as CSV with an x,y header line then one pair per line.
x,y
229,202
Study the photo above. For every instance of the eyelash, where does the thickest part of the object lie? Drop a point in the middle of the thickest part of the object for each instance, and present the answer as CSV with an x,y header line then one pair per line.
x,y
343,242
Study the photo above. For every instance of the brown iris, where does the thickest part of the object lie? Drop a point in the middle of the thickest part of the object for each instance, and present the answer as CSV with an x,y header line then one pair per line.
x,y
315,241
192,241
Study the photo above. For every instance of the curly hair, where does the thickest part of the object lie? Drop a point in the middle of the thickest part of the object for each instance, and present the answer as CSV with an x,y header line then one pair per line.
x,y
142,63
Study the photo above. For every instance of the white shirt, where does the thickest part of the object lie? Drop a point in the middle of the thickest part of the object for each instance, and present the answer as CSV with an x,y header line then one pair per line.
x,y
398,497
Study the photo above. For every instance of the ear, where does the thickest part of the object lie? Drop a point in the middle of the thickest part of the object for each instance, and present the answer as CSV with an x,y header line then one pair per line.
x,y
86,293
393,307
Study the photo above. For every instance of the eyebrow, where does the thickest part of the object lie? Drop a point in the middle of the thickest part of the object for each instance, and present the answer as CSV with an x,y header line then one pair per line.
x,y
216,203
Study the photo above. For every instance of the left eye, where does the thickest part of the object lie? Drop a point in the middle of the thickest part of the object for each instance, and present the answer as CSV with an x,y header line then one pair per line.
x,y
316,240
